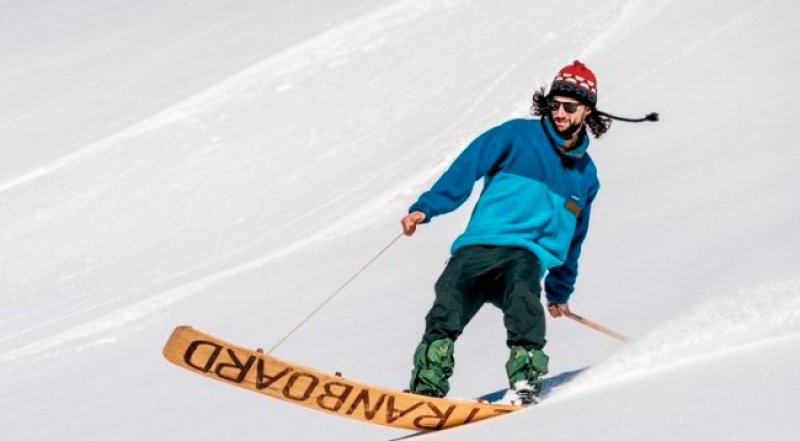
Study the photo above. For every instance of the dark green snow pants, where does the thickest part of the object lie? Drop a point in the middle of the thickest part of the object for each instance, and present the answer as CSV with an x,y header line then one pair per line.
x,y
507,277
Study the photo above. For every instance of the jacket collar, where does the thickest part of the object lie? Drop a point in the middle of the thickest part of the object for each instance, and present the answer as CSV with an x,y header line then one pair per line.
x,y
558,142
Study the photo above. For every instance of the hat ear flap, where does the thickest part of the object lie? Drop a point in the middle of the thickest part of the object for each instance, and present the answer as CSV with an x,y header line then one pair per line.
x,y
652,117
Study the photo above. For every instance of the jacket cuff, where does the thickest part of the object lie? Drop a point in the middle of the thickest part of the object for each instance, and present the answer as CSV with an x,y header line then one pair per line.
x,y
556,295
425,210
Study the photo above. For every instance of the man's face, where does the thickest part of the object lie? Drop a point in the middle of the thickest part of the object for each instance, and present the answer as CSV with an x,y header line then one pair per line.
x,y
568,114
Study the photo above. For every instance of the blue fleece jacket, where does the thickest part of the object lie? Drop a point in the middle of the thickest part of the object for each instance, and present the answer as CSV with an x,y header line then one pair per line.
x,y
535,196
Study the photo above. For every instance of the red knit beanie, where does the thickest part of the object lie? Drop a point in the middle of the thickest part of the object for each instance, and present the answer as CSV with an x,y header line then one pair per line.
x,y
576,81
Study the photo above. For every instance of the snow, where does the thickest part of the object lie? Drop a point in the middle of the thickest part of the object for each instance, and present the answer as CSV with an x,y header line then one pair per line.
x,y
230,165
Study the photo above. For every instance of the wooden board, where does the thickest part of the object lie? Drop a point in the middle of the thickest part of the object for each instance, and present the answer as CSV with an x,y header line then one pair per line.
x,y
259,372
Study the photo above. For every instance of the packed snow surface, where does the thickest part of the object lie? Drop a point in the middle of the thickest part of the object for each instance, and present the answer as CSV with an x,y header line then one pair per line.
x,y
229,165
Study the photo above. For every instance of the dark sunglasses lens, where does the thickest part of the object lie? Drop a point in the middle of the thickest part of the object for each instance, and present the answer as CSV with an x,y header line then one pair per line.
x,y
568,107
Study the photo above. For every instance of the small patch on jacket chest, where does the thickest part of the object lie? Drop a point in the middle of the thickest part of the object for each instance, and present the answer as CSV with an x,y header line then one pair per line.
x,y
573,207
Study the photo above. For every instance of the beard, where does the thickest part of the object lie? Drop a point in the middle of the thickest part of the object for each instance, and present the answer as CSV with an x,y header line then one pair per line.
x,y
571,130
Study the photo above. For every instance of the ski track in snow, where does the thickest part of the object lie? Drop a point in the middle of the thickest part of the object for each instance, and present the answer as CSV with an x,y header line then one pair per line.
x,y
94,143
172,47
700,43
128,316
714,329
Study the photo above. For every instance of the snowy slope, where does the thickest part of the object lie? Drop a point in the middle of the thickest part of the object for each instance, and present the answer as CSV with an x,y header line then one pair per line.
x,y
239,205
61,61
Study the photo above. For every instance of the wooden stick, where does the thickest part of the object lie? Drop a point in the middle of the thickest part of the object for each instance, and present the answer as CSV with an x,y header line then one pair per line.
x,y
596,326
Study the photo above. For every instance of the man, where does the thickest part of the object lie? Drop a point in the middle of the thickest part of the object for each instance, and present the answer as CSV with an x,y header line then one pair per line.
x,y
532,217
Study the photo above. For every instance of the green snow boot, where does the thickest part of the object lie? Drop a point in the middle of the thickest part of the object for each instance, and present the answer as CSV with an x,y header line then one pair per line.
x,y
525,370
433,365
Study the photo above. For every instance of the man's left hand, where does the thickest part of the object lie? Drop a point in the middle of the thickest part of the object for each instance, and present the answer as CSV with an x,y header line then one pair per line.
x,y
558,309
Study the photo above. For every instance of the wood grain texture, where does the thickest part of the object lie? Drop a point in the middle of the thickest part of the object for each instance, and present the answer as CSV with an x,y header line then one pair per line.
x,y
297,384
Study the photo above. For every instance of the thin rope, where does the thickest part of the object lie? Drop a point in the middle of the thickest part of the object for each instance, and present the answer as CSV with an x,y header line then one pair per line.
x,y
341,288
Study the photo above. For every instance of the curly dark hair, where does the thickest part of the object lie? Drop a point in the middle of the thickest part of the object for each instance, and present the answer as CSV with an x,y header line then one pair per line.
x,y
597,122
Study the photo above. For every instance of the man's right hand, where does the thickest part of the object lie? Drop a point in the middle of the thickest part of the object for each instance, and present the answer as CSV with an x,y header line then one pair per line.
x,y
410,222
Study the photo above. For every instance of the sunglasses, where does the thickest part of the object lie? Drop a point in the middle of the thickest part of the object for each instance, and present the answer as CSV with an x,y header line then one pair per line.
x,y
568,107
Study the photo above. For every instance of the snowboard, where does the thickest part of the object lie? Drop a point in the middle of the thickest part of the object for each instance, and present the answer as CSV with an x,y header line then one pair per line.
x,y
296,384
